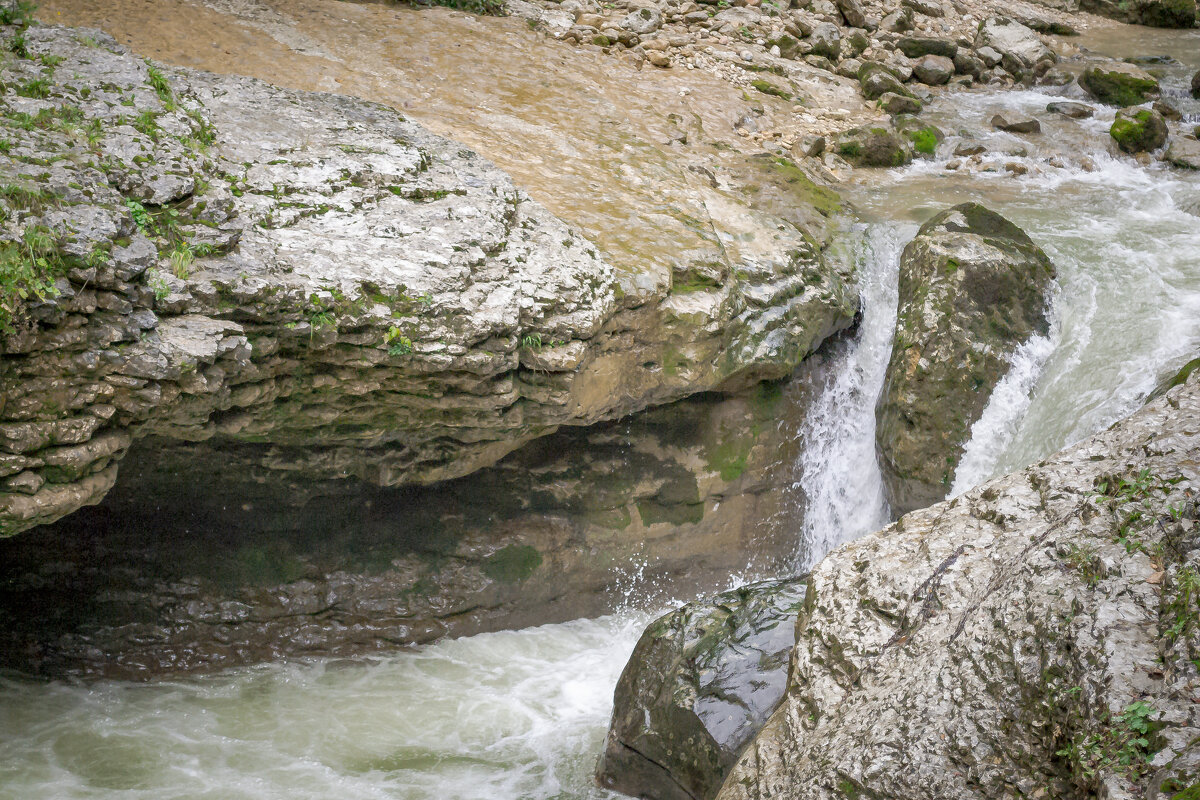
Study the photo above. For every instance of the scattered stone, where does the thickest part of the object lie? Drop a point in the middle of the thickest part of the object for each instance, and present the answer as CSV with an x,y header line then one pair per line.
x,y
929,8
700,683
810,146
874,147
658,58
989,55
967,64
877,80
1016,124
898,21
894,103
917,46
852,12
1021,51
1016,168
1068,108
645,20
972,289
826,40
933,70
967,149
1184,152
1139,130
1119,84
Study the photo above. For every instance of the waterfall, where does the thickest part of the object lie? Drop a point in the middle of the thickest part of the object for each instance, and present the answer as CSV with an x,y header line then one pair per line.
x,y
839,473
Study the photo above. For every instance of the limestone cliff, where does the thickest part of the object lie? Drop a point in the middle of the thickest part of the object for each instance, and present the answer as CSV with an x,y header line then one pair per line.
x,y
200,257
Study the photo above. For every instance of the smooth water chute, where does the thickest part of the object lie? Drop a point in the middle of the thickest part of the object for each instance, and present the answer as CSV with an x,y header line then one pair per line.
x,y
839,471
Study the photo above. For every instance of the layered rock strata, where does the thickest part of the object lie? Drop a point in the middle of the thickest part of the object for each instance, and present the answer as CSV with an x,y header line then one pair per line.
x,y
213,258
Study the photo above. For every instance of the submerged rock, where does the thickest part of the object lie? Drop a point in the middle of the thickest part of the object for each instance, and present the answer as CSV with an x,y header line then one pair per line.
x,y
1038,635
972,289
1140,130
1119,84
1071,109
700,684
1016,124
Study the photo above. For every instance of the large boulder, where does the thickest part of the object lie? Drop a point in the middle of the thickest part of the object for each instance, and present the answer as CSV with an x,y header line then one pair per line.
x,y
933,70
1167,13
1036,637
1021,50
700,684
874,147
1139,130
972,289
826,40
1119,84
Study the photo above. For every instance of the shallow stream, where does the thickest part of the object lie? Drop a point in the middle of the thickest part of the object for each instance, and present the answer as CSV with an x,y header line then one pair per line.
x,y
522,714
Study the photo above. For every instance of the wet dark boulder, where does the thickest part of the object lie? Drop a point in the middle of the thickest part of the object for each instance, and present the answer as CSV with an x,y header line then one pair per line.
x,y
700,684
877,80
972,289
1196,85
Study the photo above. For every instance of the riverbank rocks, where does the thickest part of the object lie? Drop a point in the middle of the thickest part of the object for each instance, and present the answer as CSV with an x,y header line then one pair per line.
x,y
1139,130
1167,13
700,684
972,289
1038,636
220,259
1119,84
874,147
917,46
1183,152
1195,88
1021,51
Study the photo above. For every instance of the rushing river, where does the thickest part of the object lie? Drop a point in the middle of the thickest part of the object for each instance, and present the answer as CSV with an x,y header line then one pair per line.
x,y
523,714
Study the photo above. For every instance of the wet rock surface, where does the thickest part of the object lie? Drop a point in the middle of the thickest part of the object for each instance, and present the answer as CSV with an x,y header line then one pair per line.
x,y
972,289
700,684
1118,84
319,275
1041,630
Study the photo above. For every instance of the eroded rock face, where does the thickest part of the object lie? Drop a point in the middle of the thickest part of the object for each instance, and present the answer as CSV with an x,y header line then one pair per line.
x,y
1038,634
201,559
700,684
972,289
316,275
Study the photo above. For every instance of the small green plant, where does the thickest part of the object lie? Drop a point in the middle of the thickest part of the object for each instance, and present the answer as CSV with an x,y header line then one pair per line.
x,y
490,8
532,341
18,45
19,13
321,320
25,198
37,88
146,123
1183,608
157,284
1083,559
50,60
182,257
158,82
397,343
1122,746
28,269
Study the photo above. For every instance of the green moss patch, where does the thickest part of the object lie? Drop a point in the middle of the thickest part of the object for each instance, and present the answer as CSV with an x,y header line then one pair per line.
x,y
513,563
766,87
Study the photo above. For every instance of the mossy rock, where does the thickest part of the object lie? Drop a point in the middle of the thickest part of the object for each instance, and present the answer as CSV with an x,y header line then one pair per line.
x,y
1119,84
874,147
1139,131
513,563
1168,13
